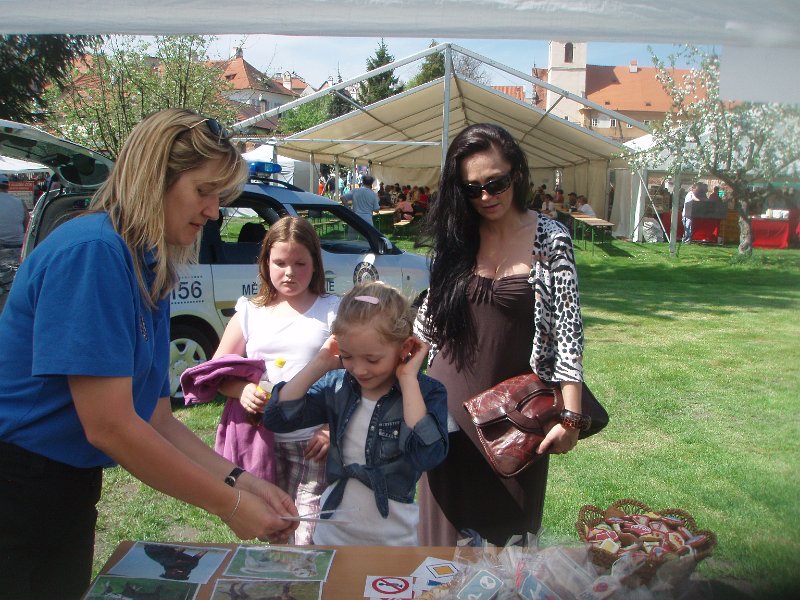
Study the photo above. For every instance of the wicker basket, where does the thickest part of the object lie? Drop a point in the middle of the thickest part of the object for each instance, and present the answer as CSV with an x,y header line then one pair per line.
x,y
590,516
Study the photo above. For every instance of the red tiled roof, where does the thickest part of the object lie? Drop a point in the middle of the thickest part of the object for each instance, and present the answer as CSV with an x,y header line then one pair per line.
x,y
618,88
515,91
243,76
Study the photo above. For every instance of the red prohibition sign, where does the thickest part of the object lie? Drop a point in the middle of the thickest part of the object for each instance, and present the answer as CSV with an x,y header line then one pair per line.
x,y
390,585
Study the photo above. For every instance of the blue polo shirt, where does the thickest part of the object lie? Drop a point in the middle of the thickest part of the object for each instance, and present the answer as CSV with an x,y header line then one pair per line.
x,y
75,308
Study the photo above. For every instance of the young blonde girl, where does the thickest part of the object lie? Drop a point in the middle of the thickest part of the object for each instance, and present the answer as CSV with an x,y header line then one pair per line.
x,y
388,421
285,324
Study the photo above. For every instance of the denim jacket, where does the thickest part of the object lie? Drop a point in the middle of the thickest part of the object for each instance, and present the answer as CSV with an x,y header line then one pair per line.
x,y
396,454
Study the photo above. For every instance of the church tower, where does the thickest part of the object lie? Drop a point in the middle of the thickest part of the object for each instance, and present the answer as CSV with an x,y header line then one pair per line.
x,y
567,69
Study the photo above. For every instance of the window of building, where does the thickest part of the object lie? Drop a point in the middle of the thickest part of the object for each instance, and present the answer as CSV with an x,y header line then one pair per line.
x,y
594,121
612,123
647,122
628,125
568,52
566,118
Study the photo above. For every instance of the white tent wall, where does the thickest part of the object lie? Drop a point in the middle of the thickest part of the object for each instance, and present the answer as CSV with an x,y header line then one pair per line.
x,y
622,212
425,176
293,171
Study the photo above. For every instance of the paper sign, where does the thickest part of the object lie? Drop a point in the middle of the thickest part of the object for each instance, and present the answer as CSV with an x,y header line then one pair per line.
x,y
389,587
483,586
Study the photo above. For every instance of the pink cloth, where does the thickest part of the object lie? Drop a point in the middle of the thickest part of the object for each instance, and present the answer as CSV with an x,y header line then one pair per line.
x,y
248,446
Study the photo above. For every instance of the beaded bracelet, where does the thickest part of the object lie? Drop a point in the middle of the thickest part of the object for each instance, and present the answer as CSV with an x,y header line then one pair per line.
x,y
235,508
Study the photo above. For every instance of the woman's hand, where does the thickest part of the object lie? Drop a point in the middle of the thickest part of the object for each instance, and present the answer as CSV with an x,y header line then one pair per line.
x,y
259,513
253,398
411,363
559,440
319,443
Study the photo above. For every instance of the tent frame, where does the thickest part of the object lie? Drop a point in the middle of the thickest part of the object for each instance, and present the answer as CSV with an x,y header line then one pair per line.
x,y
450,75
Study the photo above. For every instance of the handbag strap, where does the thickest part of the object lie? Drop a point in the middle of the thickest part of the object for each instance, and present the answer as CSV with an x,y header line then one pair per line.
x,y
535,425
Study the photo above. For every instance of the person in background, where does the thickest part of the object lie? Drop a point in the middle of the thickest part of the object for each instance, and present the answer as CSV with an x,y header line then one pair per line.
x,y
388,421
84,363
285,324
584,207
572,201
549,205
503,300
363,201
13,218
404,210
383,197
696,193
13,222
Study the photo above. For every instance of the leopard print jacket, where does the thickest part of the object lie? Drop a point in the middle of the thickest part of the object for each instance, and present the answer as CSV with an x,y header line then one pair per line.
x,y
557,353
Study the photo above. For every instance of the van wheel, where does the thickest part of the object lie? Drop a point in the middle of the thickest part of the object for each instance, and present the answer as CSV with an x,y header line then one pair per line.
x,y
188,347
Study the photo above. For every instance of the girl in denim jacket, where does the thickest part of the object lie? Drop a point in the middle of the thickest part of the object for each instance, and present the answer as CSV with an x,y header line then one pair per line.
x,y
388,422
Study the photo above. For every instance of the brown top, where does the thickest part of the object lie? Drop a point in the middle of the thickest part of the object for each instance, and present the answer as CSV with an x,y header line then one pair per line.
x,y
503,314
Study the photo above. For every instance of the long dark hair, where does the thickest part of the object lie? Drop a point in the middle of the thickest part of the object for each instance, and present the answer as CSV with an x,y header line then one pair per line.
x,y
451,229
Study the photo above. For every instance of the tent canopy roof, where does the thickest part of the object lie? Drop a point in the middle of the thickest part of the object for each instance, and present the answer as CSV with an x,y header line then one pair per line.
x,y
738,22
413,121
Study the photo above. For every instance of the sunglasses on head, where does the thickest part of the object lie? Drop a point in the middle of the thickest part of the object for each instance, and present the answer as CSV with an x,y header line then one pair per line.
x,y
215,128
493,187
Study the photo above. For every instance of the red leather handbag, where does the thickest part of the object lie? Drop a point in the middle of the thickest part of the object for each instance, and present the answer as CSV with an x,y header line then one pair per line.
x,y
513,417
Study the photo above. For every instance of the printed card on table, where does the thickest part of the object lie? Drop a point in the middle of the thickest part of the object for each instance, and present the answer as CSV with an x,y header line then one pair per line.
x,y
285,564
106,587
245,589
195,564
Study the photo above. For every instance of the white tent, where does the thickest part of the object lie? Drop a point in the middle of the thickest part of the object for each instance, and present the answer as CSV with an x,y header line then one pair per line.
x,y
13,165
401,137
759,38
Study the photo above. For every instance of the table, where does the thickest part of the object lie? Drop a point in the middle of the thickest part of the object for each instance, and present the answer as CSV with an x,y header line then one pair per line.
x,y
384,220
703,230
349,571
771,233
593,224
577,220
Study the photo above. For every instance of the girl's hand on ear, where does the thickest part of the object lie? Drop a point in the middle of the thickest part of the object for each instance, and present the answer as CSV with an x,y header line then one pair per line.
x,y
414,352
328,355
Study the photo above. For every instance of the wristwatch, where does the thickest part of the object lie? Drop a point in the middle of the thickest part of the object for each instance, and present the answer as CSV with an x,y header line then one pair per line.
x,y
573,420
233,476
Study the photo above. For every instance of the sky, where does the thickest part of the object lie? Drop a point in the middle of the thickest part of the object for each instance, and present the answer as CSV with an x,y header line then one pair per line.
x,y
316,58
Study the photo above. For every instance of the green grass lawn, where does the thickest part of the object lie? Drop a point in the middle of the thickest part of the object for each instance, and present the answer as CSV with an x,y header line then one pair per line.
x,y
696,359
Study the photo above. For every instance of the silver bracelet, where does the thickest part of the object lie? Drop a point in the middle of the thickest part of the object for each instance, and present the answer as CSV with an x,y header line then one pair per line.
x,y
235,508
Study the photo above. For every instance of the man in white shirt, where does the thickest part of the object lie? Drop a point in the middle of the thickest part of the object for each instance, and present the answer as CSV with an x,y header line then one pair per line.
x,y
364,201
585,207
697,193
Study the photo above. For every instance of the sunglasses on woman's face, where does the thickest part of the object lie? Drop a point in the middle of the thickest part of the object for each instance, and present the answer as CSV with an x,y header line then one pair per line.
x,y
493,187
215,128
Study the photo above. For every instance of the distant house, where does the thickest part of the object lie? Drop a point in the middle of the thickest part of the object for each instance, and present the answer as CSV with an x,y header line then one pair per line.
x,y
630,90
294,83
253,92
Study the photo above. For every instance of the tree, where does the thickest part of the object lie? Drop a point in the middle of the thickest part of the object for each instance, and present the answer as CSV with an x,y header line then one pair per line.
x,y
432,68
740,143
471,68
338,105
117,83
380,86
305,116
28,63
